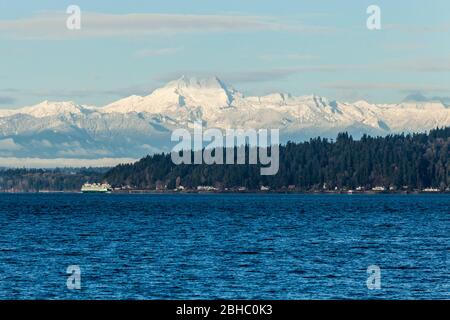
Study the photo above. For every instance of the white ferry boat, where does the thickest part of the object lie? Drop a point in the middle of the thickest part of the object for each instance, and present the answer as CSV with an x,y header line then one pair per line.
x,y
431,190
96,188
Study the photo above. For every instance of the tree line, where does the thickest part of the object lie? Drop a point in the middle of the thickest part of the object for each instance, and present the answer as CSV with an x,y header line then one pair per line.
x,y
400,161
35,180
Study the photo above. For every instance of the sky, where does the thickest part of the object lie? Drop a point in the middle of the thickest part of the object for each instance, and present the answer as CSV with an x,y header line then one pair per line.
x,y
257,46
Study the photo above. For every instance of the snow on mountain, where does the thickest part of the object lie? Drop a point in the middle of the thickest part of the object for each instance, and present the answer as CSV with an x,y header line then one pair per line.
x,y
48,109
139,125
5,113
179,97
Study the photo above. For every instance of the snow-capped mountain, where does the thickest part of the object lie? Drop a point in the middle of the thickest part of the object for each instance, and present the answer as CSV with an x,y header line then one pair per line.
x,y
138,125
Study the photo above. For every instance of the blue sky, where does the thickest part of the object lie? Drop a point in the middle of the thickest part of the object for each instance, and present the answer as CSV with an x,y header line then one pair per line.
x,y
258,46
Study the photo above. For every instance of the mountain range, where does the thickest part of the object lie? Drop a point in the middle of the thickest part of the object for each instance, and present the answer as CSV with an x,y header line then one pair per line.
x,y
63,133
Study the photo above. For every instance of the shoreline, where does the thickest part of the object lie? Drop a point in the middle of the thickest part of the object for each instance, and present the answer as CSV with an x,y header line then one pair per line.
x,y
132,192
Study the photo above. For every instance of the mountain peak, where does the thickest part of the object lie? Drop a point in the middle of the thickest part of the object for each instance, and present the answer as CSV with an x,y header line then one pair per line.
x,y
193,91
52,108
185,82
416,97
420,98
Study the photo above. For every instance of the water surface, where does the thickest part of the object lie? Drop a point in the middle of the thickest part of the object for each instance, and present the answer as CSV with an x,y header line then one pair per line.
x,y
224,246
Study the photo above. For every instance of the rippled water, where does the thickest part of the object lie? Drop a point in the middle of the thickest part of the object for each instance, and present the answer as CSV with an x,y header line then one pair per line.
x,y
224,246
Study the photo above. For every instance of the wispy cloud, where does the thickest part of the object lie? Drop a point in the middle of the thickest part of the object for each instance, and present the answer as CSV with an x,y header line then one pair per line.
x,y
419,66
53,25
87,93
402,87
72,94
7,100
423,65
261,75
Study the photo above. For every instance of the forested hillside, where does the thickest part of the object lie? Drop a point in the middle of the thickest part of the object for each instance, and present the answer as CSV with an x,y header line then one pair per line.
x,y
399,162
413,161
34,180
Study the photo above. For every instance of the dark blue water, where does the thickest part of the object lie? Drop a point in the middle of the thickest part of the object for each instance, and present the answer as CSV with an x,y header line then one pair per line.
x,y
224,246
